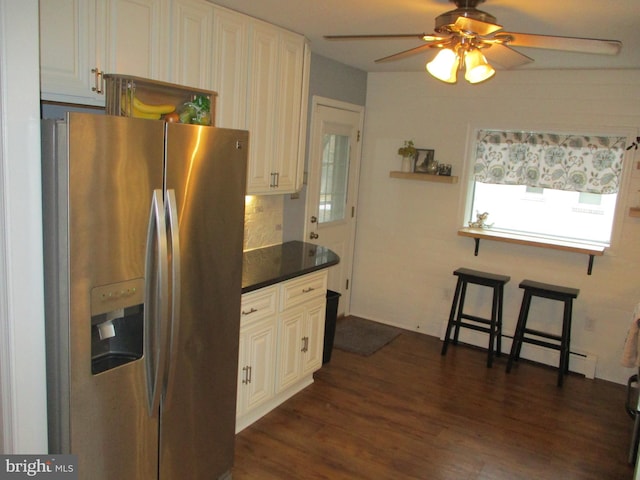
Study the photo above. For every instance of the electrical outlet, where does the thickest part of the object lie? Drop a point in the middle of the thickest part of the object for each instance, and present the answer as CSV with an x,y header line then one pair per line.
x,y
589,324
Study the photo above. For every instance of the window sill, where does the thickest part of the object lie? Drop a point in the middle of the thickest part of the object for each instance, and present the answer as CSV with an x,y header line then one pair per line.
x,y
425,177
487,234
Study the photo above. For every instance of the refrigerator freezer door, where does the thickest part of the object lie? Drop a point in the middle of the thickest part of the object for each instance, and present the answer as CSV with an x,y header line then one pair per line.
x,y
206,168
97,232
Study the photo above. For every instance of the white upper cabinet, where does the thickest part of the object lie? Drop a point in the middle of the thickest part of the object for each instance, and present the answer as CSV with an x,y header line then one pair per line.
x,y
261,77
261,110
291,110
231,53
82,39
276,112
68,51
133,37
192,44
259,71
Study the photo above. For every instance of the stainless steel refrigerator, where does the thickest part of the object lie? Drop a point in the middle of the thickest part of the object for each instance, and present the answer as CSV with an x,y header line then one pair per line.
x,y
143,227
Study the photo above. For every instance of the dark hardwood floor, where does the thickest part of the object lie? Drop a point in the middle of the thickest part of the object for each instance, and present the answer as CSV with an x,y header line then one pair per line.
x,y
407,413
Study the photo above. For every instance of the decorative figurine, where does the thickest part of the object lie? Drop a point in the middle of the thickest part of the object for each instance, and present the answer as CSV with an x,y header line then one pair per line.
x,y
480,222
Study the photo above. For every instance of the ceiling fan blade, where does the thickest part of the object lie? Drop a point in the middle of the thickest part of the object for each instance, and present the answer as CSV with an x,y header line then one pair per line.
x,y
505,56
404,54
426,36
570,44
466,24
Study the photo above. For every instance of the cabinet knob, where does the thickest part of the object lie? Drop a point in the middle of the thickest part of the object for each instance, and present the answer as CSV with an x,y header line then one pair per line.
x,y
313,235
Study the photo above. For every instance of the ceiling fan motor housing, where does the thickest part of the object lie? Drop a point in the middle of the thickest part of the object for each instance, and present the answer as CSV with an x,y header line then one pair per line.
x,y
466,8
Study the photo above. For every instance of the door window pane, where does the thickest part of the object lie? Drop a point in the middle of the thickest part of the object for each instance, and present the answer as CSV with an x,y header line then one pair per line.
x,y
335,173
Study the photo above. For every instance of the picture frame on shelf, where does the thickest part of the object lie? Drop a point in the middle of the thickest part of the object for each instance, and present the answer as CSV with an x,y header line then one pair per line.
x,y
422,159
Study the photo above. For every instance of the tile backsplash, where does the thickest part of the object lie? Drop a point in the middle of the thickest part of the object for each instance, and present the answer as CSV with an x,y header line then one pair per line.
x,y
263,220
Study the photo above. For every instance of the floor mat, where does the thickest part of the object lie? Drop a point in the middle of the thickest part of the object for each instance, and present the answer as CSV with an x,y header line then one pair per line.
x,y
364,337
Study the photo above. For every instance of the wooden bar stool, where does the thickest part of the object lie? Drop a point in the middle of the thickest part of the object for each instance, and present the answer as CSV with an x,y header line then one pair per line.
x,y
528,335
493,325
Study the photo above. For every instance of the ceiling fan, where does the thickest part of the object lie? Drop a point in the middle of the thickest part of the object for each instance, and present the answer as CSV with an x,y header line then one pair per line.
x,y
473,35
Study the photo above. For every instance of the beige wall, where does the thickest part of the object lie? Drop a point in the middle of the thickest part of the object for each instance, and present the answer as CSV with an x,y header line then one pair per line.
x,y
407,246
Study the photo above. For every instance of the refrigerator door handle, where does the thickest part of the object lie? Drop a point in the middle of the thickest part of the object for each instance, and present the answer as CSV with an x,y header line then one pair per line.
x,y
171,216
156,302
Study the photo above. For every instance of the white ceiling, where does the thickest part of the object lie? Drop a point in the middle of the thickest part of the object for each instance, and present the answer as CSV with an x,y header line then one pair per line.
x,y
606,19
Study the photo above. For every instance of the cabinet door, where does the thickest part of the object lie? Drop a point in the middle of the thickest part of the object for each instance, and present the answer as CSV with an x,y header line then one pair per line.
x,y
191,43
300,342
241,401
261,110
259,343
68,51
290,346
231,53
288,120
314,332
277,109
134,38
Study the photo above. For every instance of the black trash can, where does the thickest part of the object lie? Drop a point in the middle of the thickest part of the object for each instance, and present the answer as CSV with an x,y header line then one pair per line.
x,y
330,324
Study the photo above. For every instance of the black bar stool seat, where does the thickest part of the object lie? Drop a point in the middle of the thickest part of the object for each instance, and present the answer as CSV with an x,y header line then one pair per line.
x,y
537,337
457,317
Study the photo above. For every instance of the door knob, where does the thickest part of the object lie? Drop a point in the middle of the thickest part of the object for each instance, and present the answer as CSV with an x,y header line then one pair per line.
x,y
313,235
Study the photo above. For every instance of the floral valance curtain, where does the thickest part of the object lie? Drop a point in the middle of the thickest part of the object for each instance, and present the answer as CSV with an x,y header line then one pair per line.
x,y
548,160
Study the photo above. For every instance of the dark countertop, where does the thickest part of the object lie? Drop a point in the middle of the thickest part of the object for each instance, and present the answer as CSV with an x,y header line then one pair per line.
x,y
269,265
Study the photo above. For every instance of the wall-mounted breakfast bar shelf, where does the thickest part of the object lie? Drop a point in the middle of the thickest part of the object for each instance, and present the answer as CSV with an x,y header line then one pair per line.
x,y
487,234
425,177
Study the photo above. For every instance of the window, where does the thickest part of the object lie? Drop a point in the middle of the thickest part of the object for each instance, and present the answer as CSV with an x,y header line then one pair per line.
x,y
554,186
550,213
334,178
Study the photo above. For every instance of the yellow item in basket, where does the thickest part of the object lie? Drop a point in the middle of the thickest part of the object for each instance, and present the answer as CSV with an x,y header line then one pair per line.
x,y
138,114
151,109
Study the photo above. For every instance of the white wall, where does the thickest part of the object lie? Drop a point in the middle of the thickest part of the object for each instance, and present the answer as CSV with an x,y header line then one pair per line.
x,y
22,362
407,246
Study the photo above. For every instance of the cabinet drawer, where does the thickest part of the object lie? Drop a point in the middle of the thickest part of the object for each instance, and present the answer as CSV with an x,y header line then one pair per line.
x,y
258,305
299,290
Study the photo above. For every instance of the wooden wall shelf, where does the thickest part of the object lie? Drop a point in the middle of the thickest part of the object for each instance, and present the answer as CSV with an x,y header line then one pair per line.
x,y
488,234
425,177
634,212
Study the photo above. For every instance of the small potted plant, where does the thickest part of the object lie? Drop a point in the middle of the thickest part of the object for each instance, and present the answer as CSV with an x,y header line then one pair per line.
x,y
407,152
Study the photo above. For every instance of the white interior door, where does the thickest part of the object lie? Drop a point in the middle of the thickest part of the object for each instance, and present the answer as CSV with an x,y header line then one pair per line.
x,y
334,166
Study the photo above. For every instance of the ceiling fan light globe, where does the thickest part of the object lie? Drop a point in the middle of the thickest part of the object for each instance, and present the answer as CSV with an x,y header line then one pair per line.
x,y
445,66
478,69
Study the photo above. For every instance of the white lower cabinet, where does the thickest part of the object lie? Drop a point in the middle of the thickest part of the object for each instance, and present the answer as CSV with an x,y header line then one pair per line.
x,y
256,358
281,343
300,352
257,345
